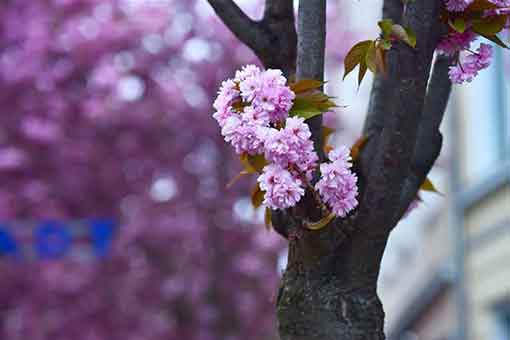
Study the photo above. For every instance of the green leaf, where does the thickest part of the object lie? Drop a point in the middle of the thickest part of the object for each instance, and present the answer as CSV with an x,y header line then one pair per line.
x,y
304,108
310,105
459,24
322,101
320,224
355,56
411,37
305,85
257,196
385,26
404,34
385,44
489,25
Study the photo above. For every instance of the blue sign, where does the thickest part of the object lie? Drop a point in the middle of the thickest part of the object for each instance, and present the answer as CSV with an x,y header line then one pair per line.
x,y
7,243
102,236
57,239
52,240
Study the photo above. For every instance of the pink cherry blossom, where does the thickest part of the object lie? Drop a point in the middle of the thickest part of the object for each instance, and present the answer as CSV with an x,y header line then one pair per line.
x,y
456,42
263,93
291,147
244,134
282,189
501,3
457,5
246,72
470,65
338,184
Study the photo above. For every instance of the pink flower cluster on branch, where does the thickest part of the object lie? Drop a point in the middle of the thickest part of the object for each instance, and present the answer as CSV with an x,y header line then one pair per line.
x,y
292,147
468,67
253,113
457,5
282,189
338,185
464,31
247,104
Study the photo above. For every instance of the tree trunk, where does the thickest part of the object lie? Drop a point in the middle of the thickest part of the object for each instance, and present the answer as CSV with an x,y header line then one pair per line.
x,y
333,297
326,294
329,289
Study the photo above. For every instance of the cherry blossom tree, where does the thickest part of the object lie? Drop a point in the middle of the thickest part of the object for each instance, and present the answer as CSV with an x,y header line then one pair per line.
x,y
337,221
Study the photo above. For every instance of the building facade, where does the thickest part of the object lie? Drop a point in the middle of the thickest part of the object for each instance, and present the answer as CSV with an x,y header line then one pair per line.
x,y
448,276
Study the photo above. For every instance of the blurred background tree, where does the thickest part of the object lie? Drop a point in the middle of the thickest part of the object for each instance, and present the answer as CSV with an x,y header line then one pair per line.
x,y
106,112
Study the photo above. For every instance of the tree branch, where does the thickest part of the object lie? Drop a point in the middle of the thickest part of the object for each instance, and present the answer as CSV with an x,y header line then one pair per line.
x,y
279,23
311,51
436,101
381,89
393,9
408,72
273,39
311,43
279,9
429,141
244,28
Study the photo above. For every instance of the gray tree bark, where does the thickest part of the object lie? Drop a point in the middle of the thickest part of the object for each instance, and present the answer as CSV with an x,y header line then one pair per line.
x,y
329,289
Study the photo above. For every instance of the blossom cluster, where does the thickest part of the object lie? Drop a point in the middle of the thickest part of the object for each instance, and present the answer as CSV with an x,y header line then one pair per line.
x,y
338,184
247,104
253,113
461,5
458,5
468,67
292,162
457,44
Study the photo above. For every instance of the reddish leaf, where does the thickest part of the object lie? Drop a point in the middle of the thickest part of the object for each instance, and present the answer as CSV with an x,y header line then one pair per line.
x,y
267,218
480,6
370,58
305,85
362,71
358,146
427,185
490,25
257,196
355,56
